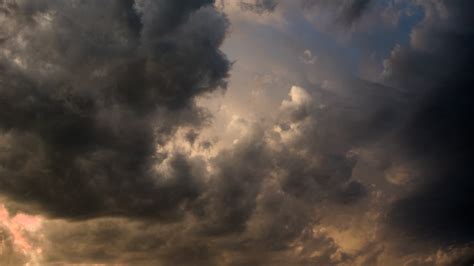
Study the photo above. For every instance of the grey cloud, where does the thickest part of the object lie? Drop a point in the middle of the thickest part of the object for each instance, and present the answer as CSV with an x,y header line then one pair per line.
x,y
231,195
81,118
100,241
437,68
354,10
88,90
259,6
266,190
263,193
346,12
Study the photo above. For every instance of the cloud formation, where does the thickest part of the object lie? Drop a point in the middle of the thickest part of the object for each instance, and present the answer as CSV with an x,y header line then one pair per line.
x,y
259,6
346,11
260,198
110,136
437,66
88,90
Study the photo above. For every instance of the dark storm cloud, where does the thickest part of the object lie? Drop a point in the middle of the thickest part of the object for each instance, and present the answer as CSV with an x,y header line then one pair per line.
x,y
438,66
87,91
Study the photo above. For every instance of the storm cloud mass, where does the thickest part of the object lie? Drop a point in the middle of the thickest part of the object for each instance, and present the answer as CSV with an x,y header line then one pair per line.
x,y
87,91
439,134
249,132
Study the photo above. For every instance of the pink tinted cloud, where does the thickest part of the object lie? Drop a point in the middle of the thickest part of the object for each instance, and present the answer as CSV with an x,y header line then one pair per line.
x,y
21,227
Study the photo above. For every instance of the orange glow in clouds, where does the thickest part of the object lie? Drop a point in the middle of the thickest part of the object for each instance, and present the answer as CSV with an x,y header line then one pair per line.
x,y
19,228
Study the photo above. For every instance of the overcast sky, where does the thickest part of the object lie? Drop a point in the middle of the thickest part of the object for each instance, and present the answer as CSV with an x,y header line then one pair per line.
x,y
236,132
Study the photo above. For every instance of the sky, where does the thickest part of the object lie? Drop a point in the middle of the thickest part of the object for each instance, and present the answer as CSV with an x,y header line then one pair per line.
x,y
236,132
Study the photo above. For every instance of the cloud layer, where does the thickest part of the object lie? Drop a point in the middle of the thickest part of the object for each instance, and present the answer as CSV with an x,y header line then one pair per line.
x,y
111,151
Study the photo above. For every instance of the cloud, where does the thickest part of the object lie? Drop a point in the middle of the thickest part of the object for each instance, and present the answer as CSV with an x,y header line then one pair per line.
x,y
19,243
259,6
346,12
263,194
101,134
438,135
89,90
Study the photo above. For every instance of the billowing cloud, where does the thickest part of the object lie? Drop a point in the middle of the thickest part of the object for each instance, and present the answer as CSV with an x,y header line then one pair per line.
x,y
262,194
436,67
88,91
114,148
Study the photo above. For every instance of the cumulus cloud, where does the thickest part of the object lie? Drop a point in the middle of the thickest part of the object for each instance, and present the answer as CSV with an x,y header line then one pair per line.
x,y
261,194
88,91
102,136
91,127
